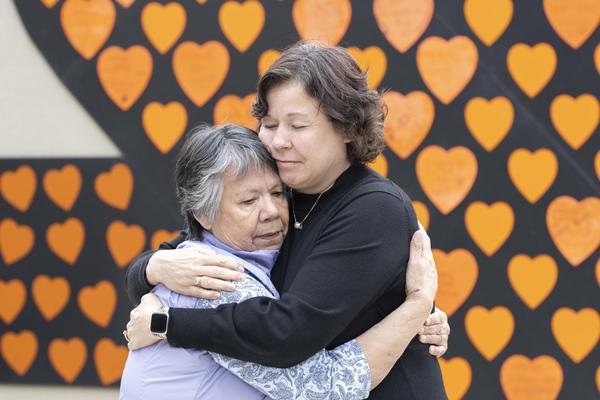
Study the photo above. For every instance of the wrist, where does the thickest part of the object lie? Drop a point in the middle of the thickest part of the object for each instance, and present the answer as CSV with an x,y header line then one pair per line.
x,y
153,268
422,300
159,322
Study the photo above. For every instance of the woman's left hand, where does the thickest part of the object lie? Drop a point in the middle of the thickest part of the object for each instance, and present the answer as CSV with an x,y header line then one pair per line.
x,y
138,327
435,332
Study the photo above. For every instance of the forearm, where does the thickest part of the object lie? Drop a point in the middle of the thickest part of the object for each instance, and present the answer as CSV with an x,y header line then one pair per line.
x,y
341,373
386,341
136,283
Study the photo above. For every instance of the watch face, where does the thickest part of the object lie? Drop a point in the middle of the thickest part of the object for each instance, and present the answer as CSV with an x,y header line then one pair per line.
x,y
158,323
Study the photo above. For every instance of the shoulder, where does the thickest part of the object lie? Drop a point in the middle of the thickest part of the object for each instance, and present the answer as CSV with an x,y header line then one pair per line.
x,y
374,190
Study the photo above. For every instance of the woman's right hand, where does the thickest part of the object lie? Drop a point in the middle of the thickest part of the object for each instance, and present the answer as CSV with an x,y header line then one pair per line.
x,y
194,271
421,274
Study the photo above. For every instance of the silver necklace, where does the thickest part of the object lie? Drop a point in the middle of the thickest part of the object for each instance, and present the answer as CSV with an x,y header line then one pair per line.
x,y
298,225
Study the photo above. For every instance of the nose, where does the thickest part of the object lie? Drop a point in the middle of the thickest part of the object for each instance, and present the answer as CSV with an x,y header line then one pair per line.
x,y
281,139
269,210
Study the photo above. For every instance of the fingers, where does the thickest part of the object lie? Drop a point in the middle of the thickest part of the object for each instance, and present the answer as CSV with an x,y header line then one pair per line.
x,y
437,351
205,282
201,293
222,261
438,329
437,340
438,317
218,272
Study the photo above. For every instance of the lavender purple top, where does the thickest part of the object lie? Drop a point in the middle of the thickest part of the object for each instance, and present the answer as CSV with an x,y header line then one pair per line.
x,y
164,372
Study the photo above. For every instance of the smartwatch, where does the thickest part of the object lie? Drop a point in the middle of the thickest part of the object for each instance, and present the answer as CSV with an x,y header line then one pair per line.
x,y
159,323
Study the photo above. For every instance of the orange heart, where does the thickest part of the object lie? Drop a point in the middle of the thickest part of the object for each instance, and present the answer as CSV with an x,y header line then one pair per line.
x,y
574,21
50,295
87,24
597,58
489,330
66,239
379,165
408,121
489,120
373,60
62,186
163,24
422,213
489,225
67,357
115,187
200,69
574,227
160,236
49,3
164,124
12,299
231,109
98,302
266,59
125,3
447,66
458,272
124,73
18,187
532,172
576,332
16,241
19,350
402,22
597,164
110,360
531,67
488,19
456,373
575,119
326,20
532,278
525,379
446,176
124,242
241,23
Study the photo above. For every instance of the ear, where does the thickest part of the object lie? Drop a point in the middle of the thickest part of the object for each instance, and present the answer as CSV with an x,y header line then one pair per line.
x,y
202,220
347,138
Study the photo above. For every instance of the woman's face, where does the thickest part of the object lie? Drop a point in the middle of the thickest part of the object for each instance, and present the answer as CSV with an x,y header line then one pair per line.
x,y
309,151
253,214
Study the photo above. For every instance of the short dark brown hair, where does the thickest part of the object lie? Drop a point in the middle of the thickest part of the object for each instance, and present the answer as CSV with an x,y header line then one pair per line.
x,y
331,76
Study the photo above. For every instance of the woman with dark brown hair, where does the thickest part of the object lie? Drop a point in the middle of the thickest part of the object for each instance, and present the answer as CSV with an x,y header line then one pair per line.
x,y
342,267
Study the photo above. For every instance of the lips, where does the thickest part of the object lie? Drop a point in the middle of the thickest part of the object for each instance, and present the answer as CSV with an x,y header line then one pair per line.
x,y
270,235
286,162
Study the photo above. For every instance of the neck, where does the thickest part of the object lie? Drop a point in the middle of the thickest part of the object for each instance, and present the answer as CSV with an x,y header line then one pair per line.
x,y
327,184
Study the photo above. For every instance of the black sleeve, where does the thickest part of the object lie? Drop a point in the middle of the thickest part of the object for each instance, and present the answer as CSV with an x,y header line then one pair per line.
x,y
356,258
136,283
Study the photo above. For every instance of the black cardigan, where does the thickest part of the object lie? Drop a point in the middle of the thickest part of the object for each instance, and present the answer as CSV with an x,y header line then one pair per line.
x,y
338,276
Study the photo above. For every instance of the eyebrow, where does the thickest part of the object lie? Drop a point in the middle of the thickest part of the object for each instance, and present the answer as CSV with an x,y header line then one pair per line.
x,y
291,114
242,191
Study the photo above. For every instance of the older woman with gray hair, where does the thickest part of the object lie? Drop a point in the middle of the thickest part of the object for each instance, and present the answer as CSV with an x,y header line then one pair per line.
x,y
234,204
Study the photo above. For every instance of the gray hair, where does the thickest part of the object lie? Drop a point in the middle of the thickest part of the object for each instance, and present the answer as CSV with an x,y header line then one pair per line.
x,y
208,154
